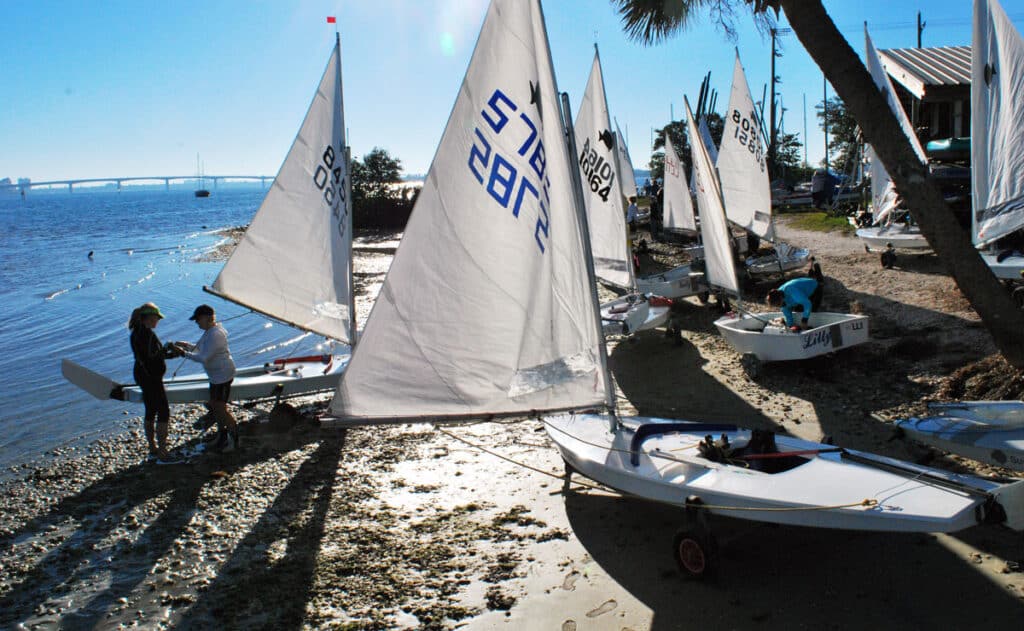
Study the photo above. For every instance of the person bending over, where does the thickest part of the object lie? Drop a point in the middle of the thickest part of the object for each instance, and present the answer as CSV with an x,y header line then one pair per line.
x,y
790,294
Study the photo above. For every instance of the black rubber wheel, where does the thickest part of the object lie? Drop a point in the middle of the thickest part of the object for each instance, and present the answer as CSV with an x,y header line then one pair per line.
x,y
695,552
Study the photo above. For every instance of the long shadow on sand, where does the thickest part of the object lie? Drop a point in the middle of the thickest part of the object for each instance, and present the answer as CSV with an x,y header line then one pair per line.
x,y
664,379
784,577
251,577
100,513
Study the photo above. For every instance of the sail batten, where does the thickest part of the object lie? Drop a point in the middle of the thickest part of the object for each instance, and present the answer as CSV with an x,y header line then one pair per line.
x,y
294,262
741,162
997,114
486,309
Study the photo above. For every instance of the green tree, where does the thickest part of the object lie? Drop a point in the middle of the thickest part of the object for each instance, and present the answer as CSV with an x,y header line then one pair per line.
x,y
650,21
676,130
842,133
788,161
374,176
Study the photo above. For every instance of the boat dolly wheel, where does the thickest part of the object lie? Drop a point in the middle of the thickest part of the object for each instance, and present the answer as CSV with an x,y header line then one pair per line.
x,y
694,548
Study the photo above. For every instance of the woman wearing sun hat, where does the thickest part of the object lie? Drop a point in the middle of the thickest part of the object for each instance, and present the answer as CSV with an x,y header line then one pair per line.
x,y
150,366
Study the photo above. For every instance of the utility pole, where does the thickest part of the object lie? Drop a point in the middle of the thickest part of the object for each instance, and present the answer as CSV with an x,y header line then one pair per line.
x,y
824,111
805,130
920,27
771,113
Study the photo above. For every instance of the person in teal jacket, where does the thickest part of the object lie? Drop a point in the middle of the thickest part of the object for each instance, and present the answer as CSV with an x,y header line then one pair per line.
x,y
790,294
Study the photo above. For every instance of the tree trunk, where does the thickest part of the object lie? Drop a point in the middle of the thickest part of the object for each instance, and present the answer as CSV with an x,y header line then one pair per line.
x,y
951,243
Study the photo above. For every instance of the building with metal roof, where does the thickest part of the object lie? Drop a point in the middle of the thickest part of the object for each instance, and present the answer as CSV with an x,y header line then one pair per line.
x,y
934,87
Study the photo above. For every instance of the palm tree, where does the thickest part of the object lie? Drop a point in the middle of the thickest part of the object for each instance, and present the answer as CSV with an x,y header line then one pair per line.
x,y
650,21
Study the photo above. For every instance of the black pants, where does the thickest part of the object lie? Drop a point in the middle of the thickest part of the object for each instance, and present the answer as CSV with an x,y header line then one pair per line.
x,y
154,397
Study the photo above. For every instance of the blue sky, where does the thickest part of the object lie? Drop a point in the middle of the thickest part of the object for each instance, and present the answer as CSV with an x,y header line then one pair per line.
x,y
99,89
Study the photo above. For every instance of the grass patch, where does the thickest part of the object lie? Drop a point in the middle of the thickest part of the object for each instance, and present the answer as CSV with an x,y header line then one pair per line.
x,y
822,222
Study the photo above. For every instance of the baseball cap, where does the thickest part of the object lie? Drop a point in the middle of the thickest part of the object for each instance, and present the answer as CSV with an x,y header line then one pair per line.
x,y
202,310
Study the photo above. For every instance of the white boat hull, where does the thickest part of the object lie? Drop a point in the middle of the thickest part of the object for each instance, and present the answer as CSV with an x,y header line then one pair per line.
x,y
1009,268
631,314
678,282
284,379
829,332
823,487
900,235
793,259
986,431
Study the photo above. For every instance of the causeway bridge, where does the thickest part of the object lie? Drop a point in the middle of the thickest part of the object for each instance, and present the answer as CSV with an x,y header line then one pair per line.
x,y
166,179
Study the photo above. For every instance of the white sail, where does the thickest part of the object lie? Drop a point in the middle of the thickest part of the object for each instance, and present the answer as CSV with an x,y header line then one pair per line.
x,y
709,144
294,262
487,307
606,216
741,162
883,192
721,268
997,116
678,208
627,177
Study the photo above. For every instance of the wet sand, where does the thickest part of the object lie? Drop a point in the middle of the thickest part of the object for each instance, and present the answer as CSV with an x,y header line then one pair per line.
x,y
415,527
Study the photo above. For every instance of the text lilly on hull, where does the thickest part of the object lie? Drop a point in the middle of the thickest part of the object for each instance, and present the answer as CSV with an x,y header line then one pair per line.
x,y
293,264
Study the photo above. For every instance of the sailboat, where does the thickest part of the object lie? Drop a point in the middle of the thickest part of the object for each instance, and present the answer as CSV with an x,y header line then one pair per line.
x,y
678,218
507,325
986,431
294,264
997,112
606,215
725,470
888,227
744,178
201,191
753,334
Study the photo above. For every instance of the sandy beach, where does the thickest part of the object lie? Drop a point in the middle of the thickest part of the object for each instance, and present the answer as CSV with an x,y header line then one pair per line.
x,y
472,526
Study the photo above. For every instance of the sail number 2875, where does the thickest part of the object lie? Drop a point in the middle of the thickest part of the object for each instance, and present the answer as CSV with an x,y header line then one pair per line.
x,y
510,181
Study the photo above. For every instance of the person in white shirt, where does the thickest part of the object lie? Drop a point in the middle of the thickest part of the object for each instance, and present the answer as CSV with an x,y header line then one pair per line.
x,y
212,352
632,214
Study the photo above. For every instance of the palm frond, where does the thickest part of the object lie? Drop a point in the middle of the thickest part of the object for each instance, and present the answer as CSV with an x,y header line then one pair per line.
x,y
652,21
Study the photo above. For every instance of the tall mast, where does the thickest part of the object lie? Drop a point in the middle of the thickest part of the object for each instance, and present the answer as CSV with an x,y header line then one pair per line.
x,y
348,205
581,215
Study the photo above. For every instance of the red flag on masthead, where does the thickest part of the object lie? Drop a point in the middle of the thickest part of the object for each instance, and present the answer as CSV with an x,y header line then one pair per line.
x,y
331,20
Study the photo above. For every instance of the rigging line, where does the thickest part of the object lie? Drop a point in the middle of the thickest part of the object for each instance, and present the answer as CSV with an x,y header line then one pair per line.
x,y
866,503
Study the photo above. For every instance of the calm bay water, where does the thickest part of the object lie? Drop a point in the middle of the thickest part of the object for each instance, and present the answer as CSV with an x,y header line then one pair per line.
x,y
56,302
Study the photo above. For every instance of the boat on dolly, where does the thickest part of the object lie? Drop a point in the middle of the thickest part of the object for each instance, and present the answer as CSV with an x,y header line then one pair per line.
x,y
748,474
986,431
